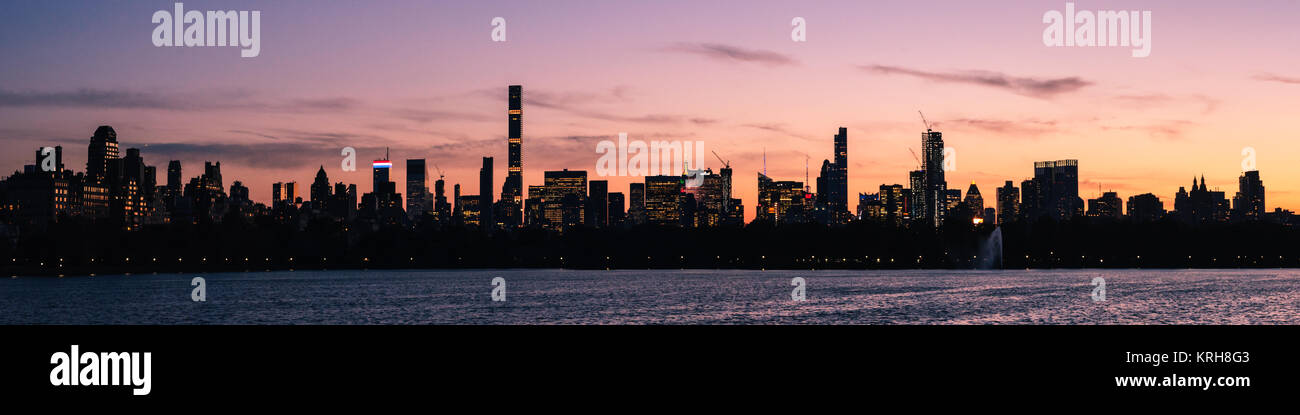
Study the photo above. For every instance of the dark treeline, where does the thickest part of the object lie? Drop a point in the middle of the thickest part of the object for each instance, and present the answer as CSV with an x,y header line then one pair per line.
x,y
266,245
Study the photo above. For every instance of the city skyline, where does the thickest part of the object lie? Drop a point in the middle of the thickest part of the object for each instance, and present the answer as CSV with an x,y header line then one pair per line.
x,y
268,119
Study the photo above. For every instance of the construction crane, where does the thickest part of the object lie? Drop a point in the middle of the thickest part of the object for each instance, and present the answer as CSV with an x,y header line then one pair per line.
x,y
914,157
725,164
440,175
923,121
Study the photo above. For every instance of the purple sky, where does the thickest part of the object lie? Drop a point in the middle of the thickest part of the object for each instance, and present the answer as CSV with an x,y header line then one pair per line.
x,y
425,79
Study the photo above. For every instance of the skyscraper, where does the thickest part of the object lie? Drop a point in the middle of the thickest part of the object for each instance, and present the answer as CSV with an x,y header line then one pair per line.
x,y
781,201
174,176
321,191
838,181
1056,187
598,204
564,198
1008,203
636,203
441,209
512,190
101,153
485,193
974,201
616,213
935,185
663,199
916,195
1248,204
417,188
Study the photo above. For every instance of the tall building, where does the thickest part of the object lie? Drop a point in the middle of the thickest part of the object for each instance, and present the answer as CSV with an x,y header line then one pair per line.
x,y
485,193
916,195
636,203
101,153
974,201
663,199
1145,207
935,185
838,182
617,215
1008,203
597,215
379,176
781,201
563,199
277,193
895,200
512,190
1201,204
1055,190
291,192
321,194
1248,204
417,188
174,176
441,209
1109,205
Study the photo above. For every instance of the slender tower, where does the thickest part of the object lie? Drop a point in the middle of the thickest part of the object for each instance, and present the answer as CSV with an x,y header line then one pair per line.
x,y
513,191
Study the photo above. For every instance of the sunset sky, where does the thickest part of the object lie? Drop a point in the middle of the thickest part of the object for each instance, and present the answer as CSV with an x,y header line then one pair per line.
x,y
424,78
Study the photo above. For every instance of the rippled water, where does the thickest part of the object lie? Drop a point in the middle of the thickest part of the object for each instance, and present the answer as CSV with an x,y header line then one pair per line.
x,y
662,297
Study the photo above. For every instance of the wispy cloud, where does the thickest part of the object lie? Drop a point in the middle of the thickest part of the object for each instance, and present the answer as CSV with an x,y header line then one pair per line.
x,y
1027,86
240,100
734,54
1172,130
776,128
1025,129
1210,104
1268,77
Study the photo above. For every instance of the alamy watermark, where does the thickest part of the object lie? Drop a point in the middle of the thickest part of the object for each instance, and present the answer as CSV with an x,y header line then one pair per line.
x,y
214,28
1102,28
639,158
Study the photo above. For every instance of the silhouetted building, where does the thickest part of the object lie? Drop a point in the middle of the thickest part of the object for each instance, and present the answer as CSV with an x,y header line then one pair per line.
x,y
563,198
417,188
441,208
1008,203
974,201
1109,205
1200,205
1055,190
916,206
485,192
321,194
512,190
101,153
782,201
833,183
1145,207
597,215
636,204
1248,204
935,186
174,176
617,214
663,200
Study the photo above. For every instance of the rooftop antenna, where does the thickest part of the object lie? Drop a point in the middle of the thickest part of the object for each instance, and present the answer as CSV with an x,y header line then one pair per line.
x,y
806,187
765,161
